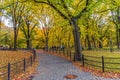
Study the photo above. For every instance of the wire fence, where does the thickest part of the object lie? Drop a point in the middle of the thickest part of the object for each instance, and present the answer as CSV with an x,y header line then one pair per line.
x,y
101,63
10,70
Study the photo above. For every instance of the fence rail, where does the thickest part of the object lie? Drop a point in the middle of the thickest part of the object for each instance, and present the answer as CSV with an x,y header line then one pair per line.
x,y
8,71
100,62
103,63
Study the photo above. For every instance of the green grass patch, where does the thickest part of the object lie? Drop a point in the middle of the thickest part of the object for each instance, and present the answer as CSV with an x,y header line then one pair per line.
x,y
93,59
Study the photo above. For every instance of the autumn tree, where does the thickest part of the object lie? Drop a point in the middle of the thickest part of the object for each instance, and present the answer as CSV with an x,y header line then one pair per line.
x,y
1,14
27,27
116,20
46,25
0,18
15,10
5,35
72,10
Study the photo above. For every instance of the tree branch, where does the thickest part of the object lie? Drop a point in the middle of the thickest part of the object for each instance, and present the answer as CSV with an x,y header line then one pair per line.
x,y
77,6
32,29
106,10
66,8
55,8
23,29
84,10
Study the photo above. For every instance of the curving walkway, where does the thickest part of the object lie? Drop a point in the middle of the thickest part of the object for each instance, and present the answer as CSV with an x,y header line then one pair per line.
x,y
55,68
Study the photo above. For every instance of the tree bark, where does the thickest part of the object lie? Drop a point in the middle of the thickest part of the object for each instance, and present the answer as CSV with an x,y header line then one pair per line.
x,y
28,42
77,42
28,35
85,42
100,43
117,38
88,41
94,43
46,43
15,38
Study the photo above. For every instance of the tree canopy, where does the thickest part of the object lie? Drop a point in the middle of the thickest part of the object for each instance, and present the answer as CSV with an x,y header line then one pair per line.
x,y
76,24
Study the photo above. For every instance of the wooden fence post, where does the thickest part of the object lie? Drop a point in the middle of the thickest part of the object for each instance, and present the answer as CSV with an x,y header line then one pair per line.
x,y
103,64
8,71
24,66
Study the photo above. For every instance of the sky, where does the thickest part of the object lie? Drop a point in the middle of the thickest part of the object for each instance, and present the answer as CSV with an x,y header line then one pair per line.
x,y
7,21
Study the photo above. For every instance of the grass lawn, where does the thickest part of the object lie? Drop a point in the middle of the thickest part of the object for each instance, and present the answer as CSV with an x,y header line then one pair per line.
x,y
111,60
93,59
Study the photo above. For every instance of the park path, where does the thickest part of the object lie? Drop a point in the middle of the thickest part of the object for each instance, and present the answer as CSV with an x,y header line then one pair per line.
x,y
52,67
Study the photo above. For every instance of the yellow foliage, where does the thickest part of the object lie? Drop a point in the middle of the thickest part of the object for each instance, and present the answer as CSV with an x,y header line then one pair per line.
x,y
105,41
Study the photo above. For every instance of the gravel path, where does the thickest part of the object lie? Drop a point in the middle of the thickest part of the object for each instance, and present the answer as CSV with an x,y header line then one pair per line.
x,y
55,68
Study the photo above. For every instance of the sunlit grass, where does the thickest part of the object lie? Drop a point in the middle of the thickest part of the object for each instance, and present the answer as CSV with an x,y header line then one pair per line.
x,y
102,53
110,58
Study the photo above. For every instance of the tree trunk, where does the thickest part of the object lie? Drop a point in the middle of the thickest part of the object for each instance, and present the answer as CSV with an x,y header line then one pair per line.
x,y
100,44
117,38
94,43
15,28
46,43
68,43
15,38
89,44
85,42
28,42
77,42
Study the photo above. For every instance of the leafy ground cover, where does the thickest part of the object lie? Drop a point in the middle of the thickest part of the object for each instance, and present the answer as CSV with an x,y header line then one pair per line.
x,y
13,57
